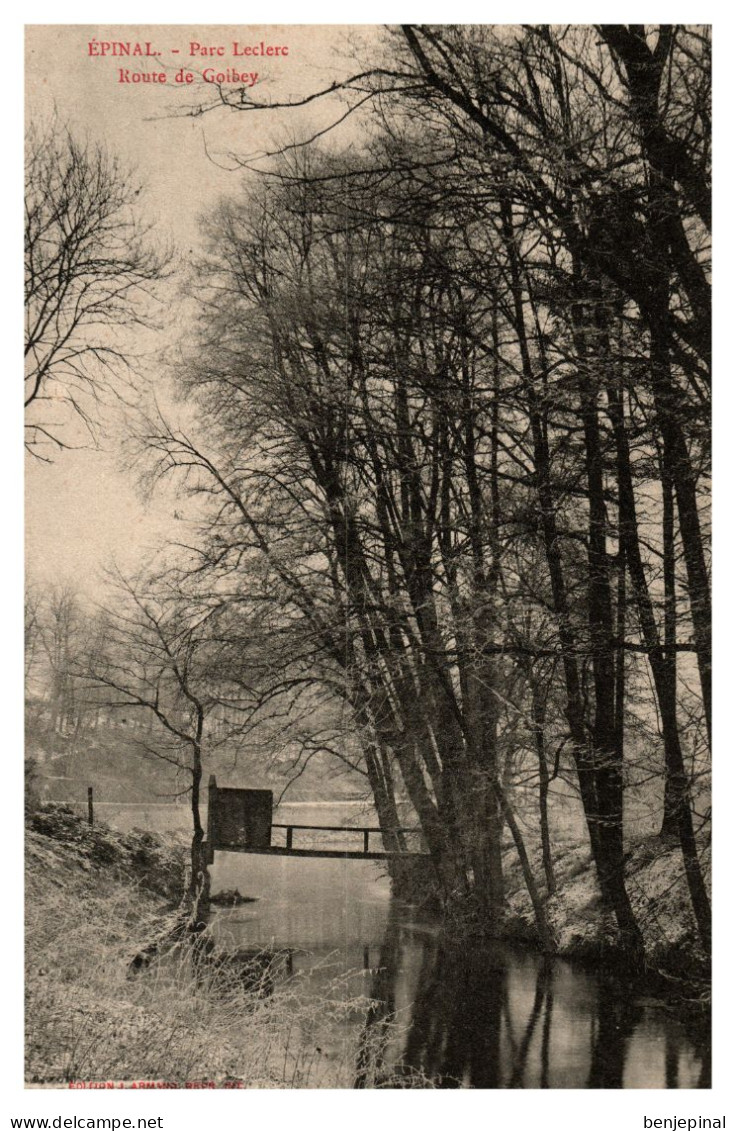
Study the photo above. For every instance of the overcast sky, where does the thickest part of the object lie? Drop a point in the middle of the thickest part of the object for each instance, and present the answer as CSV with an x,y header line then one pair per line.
x,y
82,509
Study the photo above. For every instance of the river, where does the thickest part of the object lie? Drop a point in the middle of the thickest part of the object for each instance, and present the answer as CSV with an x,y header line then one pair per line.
x,y
398,1003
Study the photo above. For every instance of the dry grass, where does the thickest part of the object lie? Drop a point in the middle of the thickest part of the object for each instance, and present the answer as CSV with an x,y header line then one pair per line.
x,y
88,1018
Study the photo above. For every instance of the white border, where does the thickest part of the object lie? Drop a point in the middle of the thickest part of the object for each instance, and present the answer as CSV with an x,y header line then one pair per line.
x,y
272,1111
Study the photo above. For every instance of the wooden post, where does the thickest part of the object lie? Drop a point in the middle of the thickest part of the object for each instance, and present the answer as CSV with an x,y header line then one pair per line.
x,y
289,834
366,835
90,807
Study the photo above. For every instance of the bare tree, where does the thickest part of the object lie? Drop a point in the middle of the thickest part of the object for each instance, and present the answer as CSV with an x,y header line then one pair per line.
x,y
156,661
89,274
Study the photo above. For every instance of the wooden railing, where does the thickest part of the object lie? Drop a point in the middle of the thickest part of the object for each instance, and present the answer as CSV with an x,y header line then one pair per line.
x,y
366,831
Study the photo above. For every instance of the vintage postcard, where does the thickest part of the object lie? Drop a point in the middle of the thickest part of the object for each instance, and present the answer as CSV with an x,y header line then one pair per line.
x,y
367,613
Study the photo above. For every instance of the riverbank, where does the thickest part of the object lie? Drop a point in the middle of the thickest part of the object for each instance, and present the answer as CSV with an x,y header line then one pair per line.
x,y
93,898
96,896
581,927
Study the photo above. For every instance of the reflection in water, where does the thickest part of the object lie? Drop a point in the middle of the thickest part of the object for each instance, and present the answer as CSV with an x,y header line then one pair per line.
x,y
381,1016
542,994
456,1025
617,1017
493,1016
547,1025
475,1022
671,1061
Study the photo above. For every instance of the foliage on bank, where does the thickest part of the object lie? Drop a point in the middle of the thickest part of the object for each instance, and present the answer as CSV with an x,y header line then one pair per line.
x,y
93,896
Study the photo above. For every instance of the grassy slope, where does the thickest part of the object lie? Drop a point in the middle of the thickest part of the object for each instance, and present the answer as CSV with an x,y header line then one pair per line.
x,y
582,927
93,898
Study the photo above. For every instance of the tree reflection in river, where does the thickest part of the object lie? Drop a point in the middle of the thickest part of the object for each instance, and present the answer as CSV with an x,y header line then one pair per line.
x,y
493,1016
470,1026
617,1018
381,1016
542,998
454,1035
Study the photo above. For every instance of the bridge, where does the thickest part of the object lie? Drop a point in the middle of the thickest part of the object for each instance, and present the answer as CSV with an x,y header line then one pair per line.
x,y
240,820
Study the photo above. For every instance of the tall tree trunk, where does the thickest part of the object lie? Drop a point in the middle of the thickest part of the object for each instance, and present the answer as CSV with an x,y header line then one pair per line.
x,y
540,913
593,770
384,798
199,885
669,659
538,718
662,674
678,468
607,751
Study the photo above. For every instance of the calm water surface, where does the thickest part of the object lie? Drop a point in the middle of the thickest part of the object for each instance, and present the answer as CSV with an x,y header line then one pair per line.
x,y
497,1016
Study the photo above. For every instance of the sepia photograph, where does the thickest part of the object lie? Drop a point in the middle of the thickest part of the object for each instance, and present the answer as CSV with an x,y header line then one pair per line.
x,y
368,562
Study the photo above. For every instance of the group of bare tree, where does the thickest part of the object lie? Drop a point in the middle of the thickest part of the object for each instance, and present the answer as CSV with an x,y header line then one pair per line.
x,y
457,386
453,462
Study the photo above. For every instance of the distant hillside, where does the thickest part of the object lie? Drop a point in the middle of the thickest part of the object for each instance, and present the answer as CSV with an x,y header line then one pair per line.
x,y
112,758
